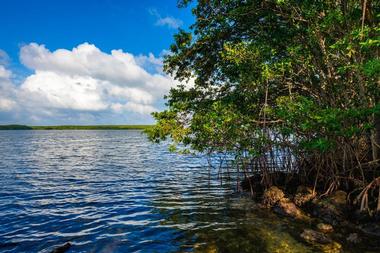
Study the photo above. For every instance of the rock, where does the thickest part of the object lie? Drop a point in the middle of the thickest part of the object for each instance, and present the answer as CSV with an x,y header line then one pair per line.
x,y
275,197
362,216
304,194
353,238
272,196
330,209
338,198
63,248
325,228
333,247
288,208
312,236
372,229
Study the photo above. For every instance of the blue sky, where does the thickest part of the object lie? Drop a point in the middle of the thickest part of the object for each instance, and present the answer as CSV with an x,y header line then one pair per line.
x,y
85,62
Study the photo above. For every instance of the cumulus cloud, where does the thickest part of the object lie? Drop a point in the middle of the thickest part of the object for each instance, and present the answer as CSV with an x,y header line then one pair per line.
x,y
168,21
85,82
4,58
6,104
7,90
4,73
53,90
85,78
134,107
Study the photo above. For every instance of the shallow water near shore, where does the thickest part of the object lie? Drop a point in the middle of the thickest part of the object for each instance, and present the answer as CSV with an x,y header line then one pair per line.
x,y
113,191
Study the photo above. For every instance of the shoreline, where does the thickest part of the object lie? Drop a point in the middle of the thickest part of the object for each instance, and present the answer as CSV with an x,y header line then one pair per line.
x,y
329,221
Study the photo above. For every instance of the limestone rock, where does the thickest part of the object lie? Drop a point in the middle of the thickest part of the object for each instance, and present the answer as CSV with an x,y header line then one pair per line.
x,y
272,196
353,238
372,229
338,198
312,236
325,228
331,208
288,208
304,194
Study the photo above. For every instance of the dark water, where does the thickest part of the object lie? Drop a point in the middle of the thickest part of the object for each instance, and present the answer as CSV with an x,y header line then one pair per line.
x,y
113,191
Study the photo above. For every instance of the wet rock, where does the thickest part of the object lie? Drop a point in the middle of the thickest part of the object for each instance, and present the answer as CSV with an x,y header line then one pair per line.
x,y
353,238
372,228
338,198
325,228
287,208
272,196
333,247
275,197
330,209
304,194
312,236
361,216
63,248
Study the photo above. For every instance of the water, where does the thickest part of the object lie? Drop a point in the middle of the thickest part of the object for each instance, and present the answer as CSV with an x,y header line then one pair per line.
x,y
113,191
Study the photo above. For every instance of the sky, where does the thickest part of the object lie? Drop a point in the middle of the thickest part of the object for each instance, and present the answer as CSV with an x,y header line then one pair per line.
x,y
85,62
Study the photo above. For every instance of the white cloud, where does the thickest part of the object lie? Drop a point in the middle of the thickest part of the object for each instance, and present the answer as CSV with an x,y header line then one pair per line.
x,y
4,73
7,90
85,60
4,58
168,21
84,83
133,94
85,78
150,63
133,107
52,90
6,104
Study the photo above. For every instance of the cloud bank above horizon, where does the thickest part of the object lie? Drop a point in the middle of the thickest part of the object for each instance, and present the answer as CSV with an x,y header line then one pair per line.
x,y
82,86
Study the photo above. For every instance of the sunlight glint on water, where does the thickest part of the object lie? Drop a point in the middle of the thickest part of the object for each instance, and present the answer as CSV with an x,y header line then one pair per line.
x,y
113,191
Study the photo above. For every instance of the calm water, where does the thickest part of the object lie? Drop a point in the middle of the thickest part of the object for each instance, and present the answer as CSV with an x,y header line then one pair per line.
x,y
113,191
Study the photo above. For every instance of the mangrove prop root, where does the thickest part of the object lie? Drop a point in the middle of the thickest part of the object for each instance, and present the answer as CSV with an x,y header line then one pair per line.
x,y
363,196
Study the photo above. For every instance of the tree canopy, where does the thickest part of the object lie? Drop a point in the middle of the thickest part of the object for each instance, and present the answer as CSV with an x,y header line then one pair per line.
x,y
297,76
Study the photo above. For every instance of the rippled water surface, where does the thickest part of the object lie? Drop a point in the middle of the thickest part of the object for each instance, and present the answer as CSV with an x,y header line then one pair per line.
x,y
113,191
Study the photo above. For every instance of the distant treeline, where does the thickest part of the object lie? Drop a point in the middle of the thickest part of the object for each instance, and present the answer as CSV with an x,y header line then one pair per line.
x,y
73,127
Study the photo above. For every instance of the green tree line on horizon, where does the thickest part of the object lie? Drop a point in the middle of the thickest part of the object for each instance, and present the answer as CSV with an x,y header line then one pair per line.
x,y
301,77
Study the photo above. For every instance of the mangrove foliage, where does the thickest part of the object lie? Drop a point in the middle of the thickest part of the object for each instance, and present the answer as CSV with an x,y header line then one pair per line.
x,y
282,85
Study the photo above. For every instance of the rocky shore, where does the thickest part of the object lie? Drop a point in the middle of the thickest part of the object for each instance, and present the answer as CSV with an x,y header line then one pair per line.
x,y
330,221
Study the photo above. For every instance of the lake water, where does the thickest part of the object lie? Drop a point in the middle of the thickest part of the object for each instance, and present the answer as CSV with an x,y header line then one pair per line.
x,y
113,191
